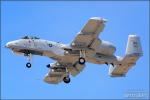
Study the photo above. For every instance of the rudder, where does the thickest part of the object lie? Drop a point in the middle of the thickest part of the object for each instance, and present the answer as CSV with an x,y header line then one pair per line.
x,y
134,46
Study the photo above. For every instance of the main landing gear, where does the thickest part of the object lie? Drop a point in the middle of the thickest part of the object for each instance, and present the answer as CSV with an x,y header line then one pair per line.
x,y
67,79
82,57
81,60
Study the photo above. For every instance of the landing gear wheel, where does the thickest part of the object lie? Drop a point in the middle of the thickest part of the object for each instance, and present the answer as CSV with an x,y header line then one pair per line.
x,y
66,79
81,60
28,65
48,66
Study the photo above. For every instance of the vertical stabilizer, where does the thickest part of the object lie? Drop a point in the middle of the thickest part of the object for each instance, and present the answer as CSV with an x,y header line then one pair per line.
x,y
134,46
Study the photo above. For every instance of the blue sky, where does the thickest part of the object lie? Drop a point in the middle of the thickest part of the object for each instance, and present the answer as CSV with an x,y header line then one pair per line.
x,y
60,21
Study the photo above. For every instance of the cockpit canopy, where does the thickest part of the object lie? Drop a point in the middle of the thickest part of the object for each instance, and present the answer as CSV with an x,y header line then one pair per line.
x,y
30,37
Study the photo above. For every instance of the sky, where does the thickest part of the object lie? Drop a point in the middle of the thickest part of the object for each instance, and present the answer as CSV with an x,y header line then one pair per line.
x,y
60,21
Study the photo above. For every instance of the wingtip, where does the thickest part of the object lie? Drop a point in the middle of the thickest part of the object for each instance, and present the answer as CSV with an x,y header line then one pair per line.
x,y
133,35
99,18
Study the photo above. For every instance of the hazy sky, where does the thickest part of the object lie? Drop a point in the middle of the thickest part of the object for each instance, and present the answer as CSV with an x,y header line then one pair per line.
x,y
60,21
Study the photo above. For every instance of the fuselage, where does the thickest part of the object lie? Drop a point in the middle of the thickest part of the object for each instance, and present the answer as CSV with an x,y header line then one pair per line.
x,y
57,51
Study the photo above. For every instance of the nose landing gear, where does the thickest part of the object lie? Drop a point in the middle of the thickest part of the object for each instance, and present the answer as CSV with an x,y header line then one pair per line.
x,y
28,65
29,56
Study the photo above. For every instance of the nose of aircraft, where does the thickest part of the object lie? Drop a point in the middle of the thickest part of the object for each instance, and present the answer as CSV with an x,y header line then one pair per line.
x,y
9,45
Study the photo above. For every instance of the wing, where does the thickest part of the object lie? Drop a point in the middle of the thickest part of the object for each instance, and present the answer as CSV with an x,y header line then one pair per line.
x,y
56,73
59,70
88,36
75,69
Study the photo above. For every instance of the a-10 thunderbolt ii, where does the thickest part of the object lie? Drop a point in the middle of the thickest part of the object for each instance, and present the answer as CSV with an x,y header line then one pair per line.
x,y
86,47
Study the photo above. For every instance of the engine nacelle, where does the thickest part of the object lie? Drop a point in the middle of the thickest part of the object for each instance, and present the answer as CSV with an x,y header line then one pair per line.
x,y
106,48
